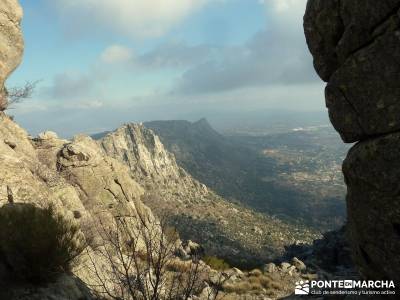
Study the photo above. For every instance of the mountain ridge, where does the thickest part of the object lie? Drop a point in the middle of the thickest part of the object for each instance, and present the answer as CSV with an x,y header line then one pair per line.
x,y
198,213
245,169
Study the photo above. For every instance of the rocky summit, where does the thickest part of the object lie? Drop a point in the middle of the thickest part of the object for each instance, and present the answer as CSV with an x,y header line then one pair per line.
x,y
233,232
356,48
150,163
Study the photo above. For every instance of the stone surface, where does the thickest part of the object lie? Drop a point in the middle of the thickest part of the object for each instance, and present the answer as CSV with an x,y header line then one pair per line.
x,y
65,288
76,176
150,163
372,171
11,43
298,264
270,268
356,46
356,50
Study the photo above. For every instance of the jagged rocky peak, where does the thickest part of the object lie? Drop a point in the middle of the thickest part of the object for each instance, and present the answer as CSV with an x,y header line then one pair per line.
x,y
203,123
356,49
142,151
150,163
11,43
186,128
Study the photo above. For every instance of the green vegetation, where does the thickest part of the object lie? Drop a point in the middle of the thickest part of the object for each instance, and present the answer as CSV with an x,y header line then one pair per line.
x,y
37,244
216,263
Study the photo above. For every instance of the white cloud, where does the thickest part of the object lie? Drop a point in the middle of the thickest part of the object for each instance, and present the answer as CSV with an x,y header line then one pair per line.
x,y
287,5
143,18
116,54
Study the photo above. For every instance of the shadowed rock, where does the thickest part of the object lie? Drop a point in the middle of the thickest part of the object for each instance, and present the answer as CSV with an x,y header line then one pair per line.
x,y
356,50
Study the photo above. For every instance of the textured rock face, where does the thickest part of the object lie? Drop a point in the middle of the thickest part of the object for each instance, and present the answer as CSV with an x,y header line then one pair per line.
x,y
150,163
356,46
372,170
11,43
83,183
222,228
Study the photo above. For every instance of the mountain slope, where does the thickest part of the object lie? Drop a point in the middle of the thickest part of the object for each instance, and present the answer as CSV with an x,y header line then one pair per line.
x,y
241,168
224,229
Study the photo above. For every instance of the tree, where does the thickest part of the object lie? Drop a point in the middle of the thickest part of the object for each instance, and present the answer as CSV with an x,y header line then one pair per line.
x,y
142,264
16,95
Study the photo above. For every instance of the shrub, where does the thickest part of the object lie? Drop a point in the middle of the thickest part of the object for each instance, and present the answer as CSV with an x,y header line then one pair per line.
x,y
142,264
177,265
242,287
216,263
255,272
37,244
266,281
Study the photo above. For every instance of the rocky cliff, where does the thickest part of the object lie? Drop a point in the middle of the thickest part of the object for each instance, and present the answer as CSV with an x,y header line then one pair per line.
x,y
83,183
11,43
77,177
356,46
224,229
151,164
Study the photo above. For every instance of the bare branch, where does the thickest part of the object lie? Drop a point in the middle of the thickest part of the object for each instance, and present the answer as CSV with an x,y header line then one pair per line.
x,y
17,95
142,264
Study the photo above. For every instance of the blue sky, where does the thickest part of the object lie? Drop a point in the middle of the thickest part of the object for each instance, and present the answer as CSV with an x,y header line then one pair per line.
x,y
105,62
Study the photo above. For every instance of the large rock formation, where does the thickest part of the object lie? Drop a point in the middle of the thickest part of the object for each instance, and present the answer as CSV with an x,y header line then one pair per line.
x,y
222,228
150,163
356,49
76,177
11,43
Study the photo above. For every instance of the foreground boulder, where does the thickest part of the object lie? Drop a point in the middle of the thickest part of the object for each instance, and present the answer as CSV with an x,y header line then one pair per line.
x,y
11,43
372,170
356,48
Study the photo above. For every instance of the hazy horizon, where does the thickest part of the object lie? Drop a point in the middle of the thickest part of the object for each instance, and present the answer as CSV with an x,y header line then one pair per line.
x,y
103,64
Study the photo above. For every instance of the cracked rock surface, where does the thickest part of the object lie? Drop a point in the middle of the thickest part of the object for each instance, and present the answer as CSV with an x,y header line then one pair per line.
x,y
77,177
11,42
356,50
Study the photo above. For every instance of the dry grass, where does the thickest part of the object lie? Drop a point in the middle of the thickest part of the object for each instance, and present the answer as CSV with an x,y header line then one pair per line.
x,y
177,265
255,283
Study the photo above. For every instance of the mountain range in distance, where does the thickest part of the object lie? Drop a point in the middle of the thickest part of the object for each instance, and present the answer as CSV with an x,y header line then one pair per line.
x,y
294,175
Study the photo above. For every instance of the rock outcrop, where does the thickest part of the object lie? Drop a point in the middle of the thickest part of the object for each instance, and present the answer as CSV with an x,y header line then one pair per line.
x,y
224,229
77,177
356,46
11,43
151,164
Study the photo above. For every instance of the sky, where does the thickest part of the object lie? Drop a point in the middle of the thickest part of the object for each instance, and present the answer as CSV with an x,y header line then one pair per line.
x,y
101,63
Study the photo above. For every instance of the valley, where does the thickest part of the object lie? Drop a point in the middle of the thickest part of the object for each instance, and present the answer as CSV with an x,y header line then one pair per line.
x,y
226,229
294,176
243,197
